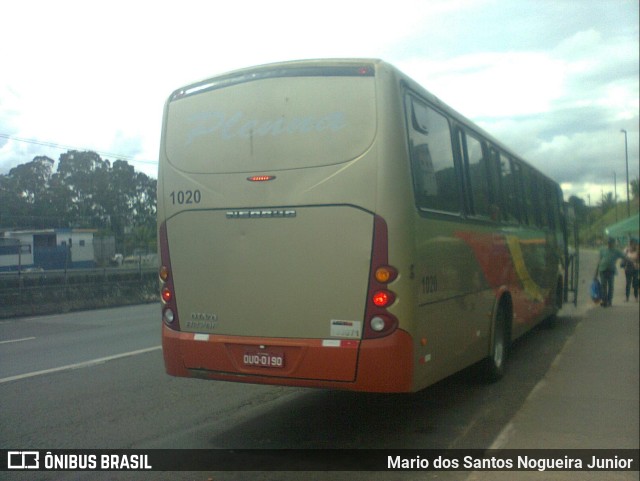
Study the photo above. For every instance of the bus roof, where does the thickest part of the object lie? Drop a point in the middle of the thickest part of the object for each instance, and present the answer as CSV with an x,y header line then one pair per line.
x,y
308,67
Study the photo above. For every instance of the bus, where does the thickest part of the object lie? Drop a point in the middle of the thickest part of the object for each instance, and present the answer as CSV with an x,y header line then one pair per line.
x,y
332,224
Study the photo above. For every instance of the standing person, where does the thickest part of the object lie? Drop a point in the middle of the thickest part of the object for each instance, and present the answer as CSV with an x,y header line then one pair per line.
x,y
631,268
607,270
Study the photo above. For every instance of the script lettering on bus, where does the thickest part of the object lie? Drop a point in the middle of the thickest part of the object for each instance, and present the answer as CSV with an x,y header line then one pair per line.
x,y
238,125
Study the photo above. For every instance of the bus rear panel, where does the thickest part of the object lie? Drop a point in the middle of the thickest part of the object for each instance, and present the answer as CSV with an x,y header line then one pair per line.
x,y
269,233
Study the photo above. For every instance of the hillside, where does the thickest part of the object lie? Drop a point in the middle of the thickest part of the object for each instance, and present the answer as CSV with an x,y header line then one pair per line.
x,y
593,233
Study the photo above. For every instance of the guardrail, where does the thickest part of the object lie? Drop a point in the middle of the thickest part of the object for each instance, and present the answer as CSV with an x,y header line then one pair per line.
x,y
33,292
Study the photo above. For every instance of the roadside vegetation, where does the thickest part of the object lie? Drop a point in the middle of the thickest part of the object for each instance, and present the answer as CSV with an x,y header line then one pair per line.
x,y
84,191
593,220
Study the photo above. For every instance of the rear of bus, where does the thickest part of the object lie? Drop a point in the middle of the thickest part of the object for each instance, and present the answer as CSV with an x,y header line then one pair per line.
x,y
275,264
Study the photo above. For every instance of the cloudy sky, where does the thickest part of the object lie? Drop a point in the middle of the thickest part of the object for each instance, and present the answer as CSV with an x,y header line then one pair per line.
x,y
556,80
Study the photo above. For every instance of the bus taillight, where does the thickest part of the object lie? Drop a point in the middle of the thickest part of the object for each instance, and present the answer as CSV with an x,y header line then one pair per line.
x,y
386,274
167,295
164,273
383,298
168,316
379,322
169,308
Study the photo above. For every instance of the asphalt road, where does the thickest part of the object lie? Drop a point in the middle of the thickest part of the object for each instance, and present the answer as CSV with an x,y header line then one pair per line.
x,y
95,379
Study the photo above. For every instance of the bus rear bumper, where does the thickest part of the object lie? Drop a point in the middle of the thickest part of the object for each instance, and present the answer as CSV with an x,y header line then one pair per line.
x,y
372,365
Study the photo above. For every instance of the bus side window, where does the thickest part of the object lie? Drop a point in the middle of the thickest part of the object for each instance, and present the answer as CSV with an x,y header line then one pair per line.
x,y
553,209
508,188
518,188
531,201
493,171
435,178
476,163
543,205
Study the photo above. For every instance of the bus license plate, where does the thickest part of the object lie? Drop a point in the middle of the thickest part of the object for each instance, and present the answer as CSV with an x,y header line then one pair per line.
x,y
263,359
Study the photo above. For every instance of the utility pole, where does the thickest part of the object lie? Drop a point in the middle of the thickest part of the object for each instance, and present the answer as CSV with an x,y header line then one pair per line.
x,y
615,194
626,160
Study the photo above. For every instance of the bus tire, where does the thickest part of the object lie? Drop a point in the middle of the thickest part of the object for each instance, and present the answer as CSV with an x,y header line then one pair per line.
x,y
494,364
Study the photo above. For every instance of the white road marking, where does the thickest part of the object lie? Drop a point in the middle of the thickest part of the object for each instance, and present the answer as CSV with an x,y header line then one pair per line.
x,y
78,365
17,340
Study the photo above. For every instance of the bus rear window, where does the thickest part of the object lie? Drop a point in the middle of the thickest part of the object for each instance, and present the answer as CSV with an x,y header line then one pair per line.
x,y
272,123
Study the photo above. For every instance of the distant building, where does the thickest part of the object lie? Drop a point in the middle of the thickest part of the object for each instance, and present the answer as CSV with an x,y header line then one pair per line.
x,y
47,249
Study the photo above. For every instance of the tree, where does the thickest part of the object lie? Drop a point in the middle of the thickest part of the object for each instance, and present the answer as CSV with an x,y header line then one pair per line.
x,y
30,180
607,203
85,176
141,239
23,194
85,191
144,208
119,200
9,202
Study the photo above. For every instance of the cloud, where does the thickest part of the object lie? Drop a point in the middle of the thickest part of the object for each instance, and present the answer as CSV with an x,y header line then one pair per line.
x,y
483,85
555,81
77,74
561,108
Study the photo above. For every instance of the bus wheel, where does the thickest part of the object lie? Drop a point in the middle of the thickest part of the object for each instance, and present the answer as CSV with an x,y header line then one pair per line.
x,y
494,365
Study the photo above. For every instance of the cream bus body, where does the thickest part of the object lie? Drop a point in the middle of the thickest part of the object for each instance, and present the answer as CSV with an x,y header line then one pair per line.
x,y
309,238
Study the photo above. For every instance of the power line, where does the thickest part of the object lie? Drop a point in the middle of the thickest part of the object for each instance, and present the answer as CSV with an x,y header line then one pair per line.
x,y
68,147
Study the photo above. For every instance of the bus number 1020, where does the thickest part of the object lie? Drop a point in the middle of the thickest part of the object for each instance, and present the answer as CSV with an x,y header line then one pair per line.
x,y
429,284
185,197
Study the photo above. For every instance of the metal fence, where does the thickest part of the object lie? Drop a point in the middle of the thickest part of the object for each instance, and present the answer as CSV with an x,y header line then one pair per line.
x,y
33,292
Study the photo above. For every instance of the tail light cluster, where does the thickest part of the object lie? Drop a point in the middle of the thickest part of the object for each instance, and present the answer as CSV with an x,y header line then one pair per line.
x,y
167,292
378,321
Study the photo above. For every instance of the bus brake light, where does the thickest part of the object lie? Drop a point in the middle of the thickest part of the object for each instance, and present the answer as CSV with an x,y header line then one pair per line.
x,y
383,298
261,178
167,295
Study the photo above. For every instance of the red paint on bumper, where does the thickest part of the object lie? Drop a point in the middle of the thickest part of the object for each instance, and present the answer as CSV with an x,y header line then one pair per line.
x,y
375,365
